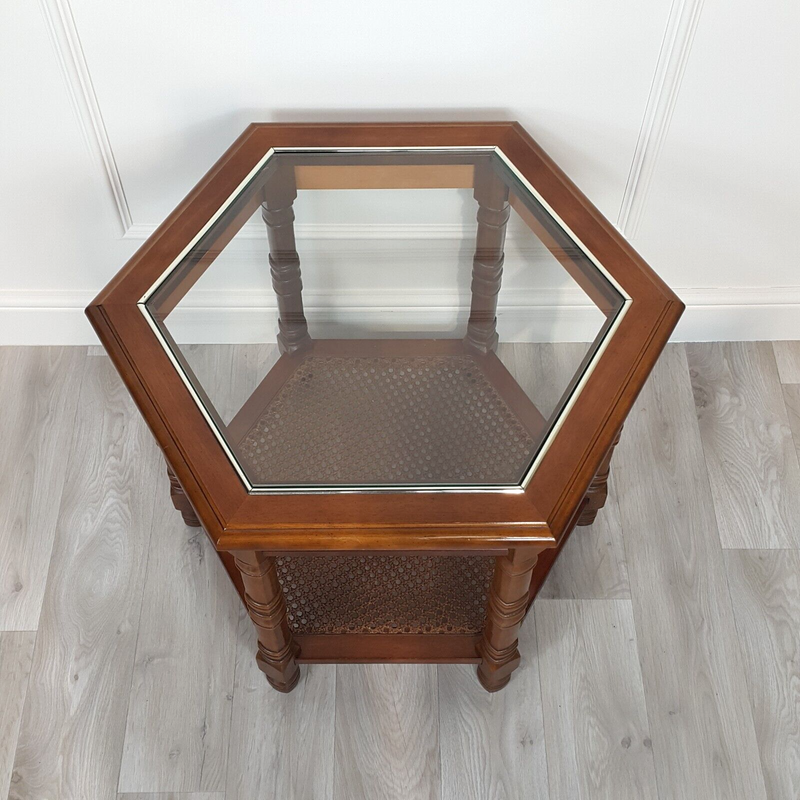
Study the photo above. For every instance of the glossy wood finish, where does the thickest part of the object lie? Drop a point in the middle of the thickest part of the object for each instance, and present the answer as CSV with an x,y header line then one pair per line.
x,y
180,501
491,194
278,214
515,525
508,602
419,521
277,649
598,488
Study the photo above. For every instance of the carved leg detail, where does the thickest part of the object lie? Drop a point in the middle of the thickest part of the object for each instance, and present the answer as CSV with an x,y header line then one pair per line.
x,y
598,488
277,650
278,215
487,266
508,602
181,501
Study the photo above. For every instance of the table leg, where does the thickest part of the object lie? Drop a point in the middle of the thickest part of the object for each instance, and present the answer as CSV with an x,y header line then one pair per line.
x,y
277,649
181,501
487,266
598,488
284,261
508,602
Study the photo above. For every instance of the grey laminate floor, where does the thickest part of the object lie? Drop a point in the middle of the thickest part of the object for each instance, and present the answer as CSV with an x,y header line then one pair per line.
x,y
662,659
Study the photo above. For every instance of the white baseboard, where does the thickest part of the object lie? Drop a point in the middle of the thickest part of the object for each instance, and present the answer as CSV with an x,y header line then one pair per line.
x,y
737,314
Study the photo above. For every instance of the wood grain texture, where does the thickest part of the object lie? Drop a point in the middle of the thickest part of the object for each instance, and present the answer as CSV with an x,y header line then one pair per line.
x,y
387,732
598,740
791,399
787,356
765,590
281,745
16,653
179,711
38,395
701,722
70,740
492,745
171,796
752,464
592,563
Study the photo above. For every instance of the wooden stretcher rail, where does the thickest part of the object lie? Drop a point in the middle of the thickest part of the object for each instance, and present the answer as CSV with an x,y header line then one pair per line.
x,y
385,176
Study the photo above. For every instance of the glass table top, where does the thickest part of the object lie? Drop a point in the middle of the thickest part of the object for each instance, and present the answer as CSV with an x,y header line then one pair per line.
x,y
384,319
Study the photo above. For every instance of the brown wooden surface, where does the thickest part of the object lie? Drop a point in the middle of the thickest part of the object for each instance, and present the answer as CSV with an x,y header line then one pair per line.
x,y
284,261
396,648
491,194
598,488
385,176
236,520
524,523
265,604
512,396
508,603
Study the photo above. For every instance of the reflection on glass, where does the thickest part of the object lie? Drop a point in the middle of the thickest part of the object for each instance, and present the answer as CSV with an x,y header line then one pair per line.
x,y
443,321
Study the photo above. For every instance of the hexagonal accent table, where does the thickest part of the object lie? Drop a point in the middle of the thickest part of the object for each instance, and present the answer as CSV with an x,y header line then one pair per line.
x,y
388,459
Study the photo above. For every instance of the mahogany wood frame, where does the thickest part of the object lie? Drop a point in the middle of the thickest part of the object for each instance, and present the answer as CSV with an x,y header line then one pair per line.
x,y
524,529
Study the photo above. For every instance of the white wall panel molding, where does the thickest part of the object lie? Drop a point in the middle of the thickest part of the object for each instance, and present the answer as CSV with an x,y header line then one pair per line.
x,y
64,36
672,59
740,313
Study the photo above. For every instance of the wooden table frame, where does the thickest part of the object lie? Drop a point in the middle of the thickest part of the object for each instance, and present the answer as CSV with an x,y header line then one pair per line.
x,y
524,530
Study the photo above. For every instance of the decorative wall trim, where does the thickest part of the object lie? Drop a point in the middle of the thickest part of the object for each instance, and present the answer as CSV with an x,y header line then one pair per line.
x,y
64,35
336,230
740,313
670,67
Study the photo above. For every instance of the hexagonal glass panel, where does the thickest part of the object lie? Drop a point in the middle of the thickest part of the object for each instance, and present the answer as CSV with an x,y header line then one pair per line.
x,y
444,322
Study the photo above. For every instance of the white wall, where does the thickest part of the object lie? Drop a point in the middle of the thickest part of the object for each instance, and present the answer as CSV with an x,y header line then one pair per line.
x,y
677,118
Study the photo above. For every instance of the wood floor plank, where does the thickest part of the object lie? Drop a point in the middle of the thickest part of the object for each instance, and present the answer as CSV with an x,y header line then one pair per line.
x,y
765,590
387,732
597,735
791,399
16,654
171,796
39,389
281,745
752,463
179,712
492,745
592,563
787,356
71,736
701,722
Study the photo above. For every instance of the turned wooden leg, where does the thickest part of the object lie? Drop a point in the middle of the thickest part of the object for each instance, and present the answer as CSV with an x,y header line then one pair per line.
x,y
284,261
508,602
181,501
487,266
277,649
598,488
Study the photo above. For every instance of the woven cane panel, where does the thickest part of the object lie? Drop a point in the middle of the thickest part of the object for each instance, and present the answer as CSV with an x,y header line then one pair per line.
x,y
410,420
386,594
